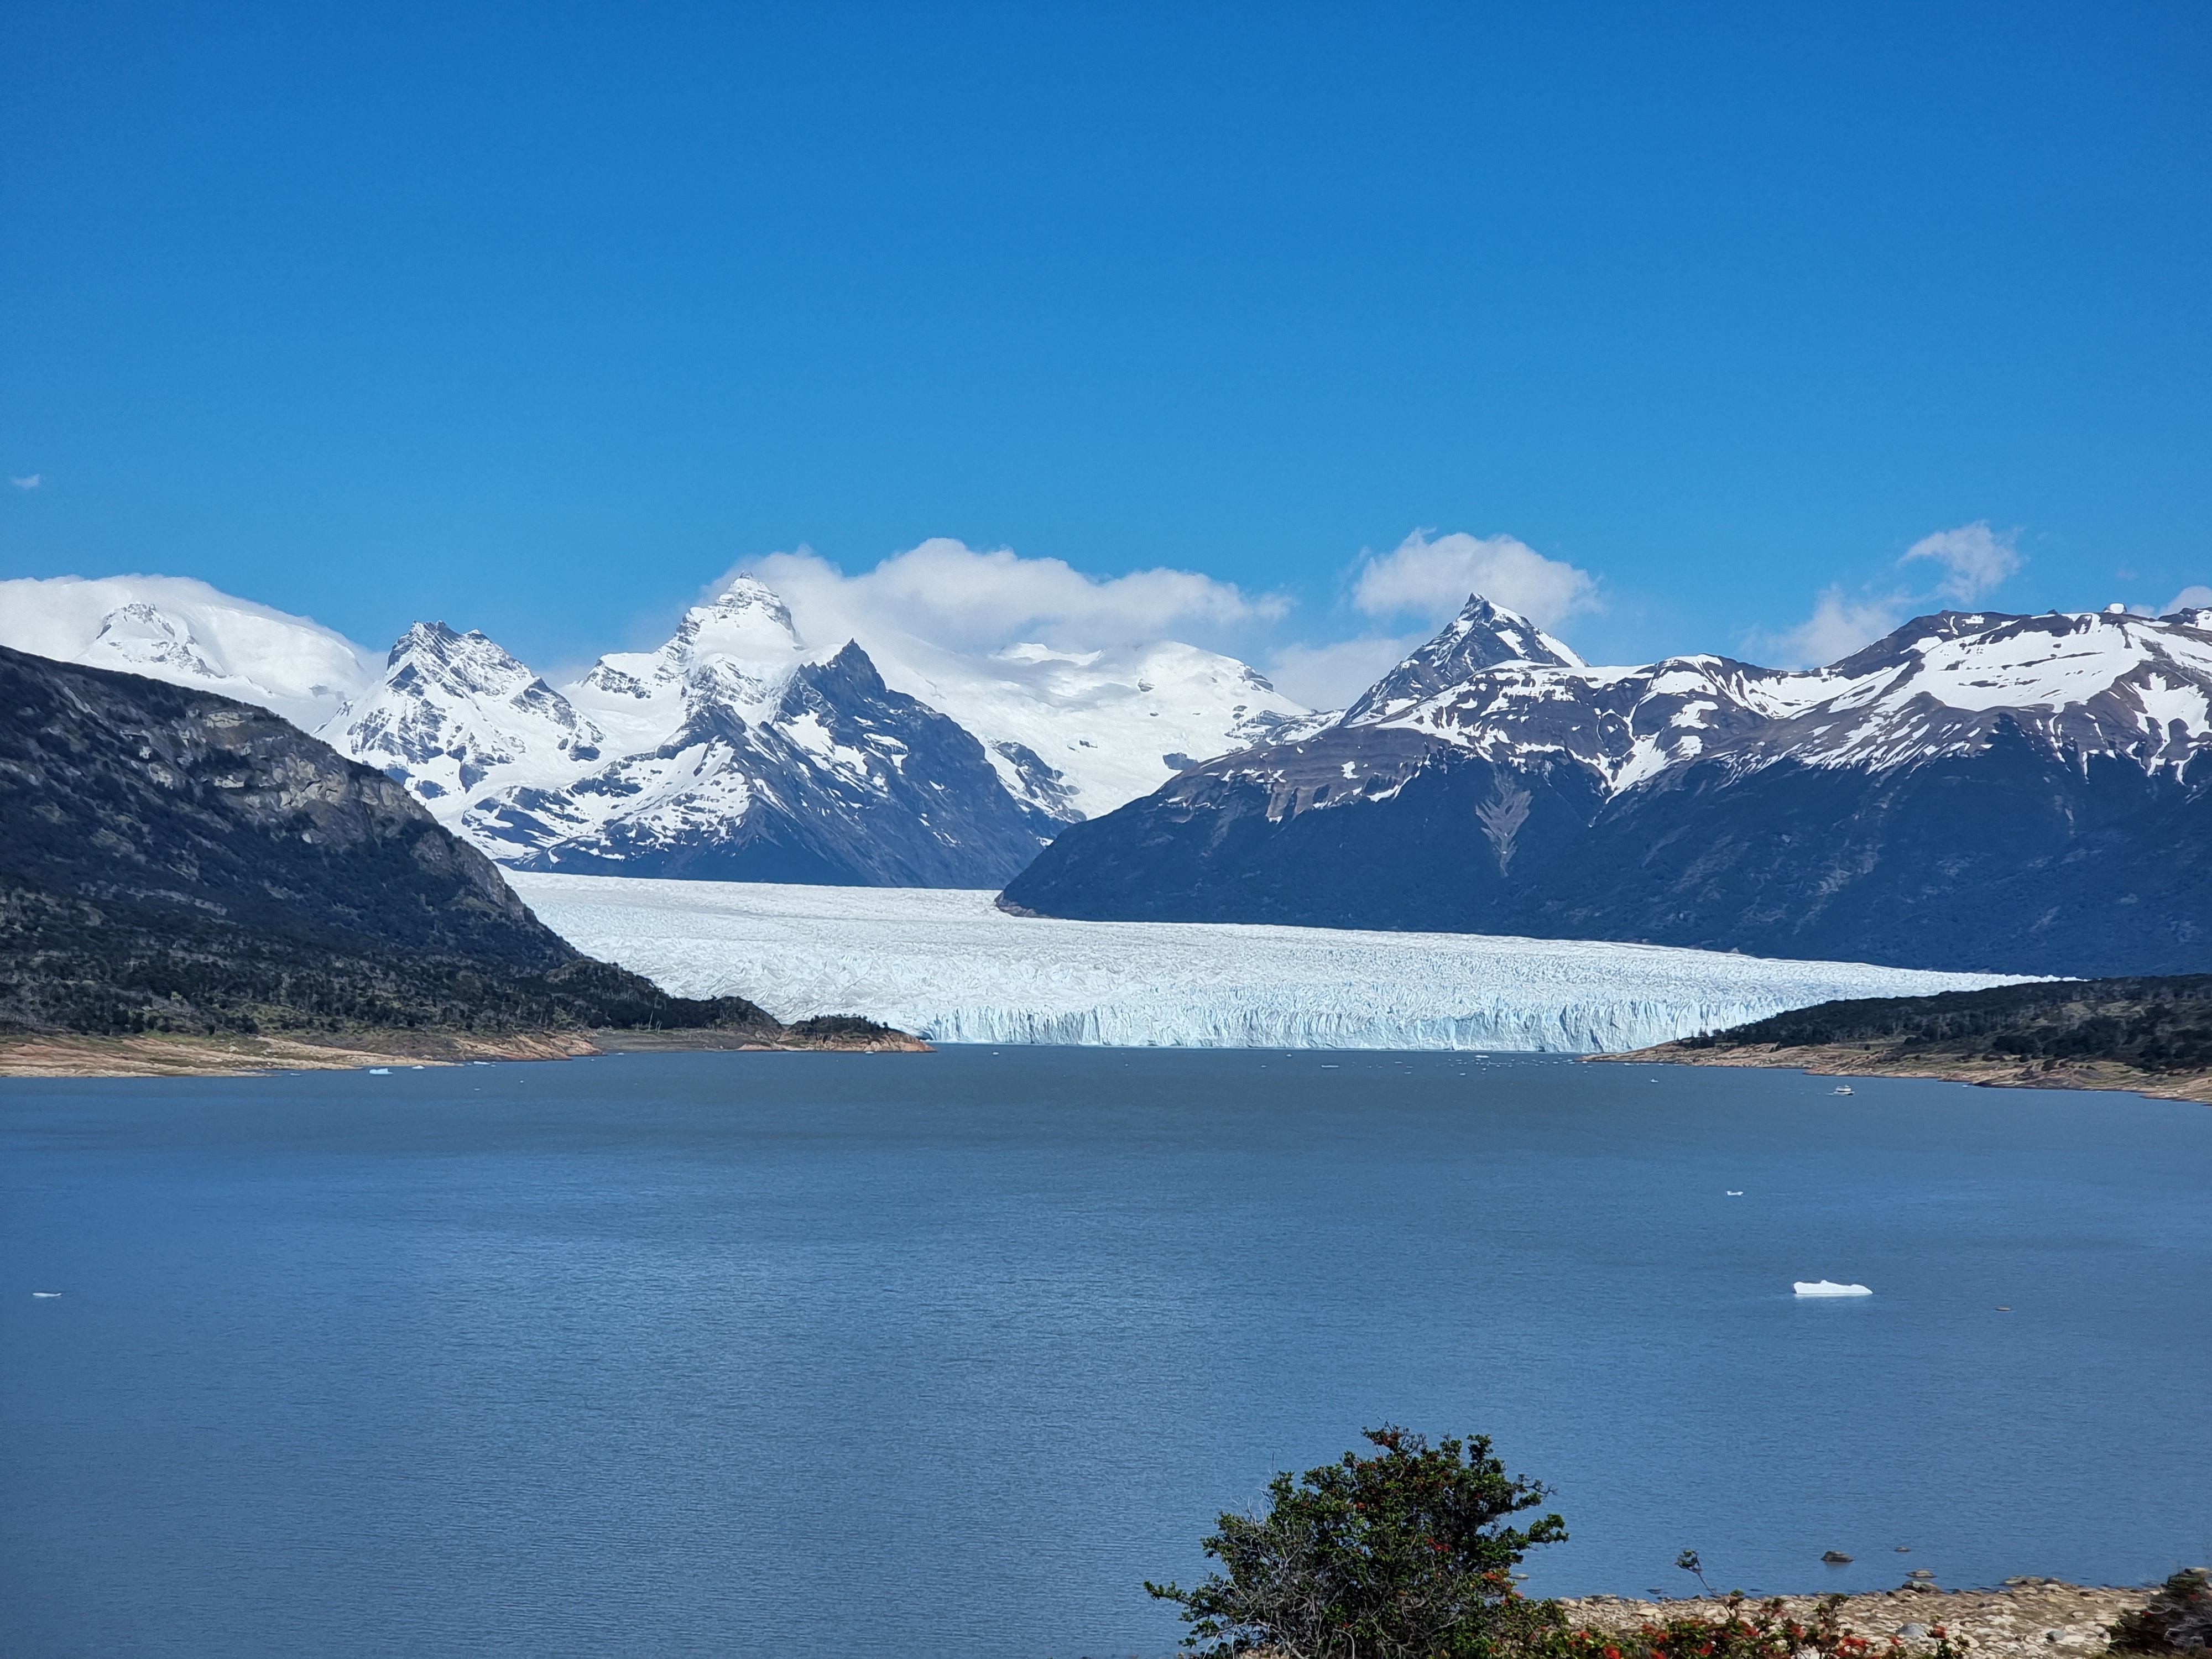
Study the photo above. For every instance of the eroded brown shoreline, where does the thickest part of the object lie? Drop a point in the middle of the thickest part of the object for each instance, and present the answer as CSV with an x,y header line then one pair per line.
x,y
1852,1060
163,1054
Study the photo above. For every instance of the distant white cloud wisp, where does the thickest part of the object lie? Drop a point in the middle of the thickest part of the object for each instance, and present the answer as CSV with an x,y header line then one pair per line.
x,y
1432,578
31,482
1838,626
1330,676
959,597
1975,561
967,600
2195,597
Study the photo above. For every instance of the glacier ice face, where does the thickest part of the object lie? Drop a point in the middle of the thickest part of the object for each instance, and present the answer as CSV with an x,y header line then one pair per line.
x,y
948,965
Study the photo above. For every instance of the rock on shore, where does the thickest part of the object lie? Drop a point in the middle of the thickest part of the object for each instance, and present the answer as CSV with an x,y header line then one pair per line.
x,y
2024,1616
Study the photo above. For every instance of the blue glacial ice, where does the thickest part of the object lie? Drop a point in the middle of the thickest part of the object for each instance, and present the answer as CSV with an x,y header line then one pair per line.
x,y
949,966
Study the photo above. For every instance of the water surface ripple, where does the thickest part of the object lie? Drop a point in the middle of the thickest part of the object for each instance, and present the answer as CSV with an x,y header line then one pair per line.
x,y
803,1354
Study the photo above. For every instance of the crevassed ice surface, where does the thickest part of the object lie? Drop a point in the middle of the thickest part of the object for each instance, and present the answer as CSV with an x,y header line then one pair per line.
x,y
949,966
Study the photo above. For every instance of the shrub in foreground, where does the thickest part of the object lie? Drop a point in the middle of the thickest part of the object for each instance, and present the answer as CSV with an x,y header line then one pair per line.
x,y
2177,1620
1402,1554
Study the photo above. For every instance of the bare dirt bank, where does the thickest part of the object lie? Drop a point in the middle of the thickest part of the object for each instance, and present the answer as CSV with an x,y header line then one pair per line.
x,y
1881,1060
62,1054
2025,1616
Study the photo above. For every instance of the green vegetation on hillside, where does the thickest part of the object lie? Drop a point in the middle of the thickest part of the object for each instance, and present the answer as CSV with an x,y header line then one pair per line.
x,y
2159,1025
176,862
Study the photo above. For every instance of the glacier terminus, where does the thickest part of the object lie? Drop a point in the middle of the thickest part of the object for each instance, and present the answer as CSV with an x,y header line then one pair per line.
x,y
950,966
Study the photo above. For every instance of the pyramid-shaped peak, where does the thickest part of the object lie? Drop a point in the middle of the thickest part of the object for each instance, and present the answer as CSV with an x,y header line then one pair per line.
x,y
1483,636
748,620
747,592
440,643
1493,634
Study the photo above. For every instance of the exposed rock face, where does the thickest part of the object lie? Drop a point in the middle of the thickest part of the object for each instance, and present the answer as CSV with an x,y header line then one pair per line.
x,y
839,781
1977,791
455,715
678,758
175,860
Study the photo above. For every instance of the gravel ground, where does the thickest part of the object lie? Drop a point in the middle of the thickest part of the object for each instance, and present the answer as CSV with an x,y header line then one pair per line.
x,y
2026,1615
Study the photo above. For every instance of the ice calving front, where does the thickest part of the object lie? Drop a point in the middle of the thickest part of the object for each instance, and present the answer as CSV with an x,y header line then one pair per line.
x,y
947,965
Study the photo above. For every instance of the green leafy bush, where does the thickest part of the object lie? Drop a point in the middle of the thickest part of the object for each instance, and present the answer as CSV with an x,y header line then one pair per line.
x,y
1402,1554
2178,1619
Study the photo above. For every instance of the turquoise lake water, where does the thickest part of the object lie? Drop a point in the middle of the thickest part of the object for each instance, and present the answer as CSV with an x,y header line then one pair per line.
x,y
940,1355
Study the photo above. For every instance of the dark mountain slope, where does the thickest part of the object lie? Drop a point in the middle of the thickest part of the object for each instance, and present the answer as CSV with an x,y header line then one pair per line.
x,y
172,860
2015,794
2016,859
844,782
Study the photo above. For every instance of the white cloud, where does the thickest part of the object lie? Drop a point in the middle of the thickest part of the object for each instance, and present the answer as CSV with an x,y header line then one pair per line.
x,y
1976,559
1432,579
31,482
2195,597
957,597
1838,626
1331,676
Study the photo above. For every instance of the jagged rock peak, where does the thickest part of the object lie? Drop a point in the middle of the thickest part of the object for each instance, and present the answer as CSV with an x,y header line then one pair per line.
x,y
444,644
1482,636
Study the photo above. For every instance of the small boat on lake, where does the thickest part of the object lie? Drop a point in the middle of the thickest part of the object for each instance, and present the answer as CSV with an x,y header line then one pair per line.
x,y
1841,1089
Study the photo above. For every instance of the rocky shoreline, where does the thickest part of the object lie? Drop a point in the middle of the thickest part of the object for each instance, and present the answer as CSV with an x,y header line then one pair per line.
x,y
233,1055
2022,1616
1878,1059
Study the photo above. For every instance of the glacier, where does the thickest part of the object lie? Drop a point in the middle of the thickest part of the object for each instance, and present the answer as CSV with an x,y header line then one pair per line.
x,y
947,965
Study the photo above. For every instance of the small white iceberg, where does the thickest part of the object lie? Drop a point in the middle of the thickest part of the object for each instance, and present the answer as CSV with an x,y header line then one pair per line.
x,y
1827,1287
380,1071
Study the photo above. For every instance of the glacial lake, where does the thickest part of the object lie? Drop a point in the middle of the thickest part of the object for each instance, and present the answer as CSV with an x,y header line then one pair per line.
x,y
942,1355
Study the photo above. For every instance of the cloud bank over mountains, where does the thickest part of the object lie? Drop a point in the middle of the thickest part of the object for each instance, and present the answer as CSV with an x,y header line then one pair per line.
x,y
967,600
959,611
955,598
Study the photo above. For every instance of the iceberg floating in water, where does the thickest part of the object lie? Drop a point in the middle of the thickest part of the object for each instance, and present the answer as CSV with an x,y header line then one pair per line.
x,y
948,965
1828,1287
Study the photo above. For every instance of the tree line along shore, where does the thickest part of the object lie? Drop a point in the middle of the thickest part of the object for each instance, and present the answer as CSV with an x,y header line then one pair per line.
x,y
2148,1035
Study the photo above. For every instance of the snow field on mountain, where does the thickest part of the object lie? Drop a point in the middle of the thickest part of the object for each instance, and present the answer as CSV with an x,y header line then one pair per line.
x,y
947,965
186,633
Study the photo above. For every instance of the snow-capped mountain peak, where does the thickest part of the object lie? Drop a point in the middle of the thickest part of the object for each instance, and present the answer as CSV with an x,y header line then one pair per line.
x,y
2081,683
737,652
185,632
1482,636
748,620
455,713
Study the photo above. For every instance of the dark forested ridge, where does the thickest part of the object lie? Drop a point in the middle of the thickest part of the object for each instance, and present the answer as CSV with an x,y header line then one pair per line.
x,y
2149,1033
173,861
2152,1024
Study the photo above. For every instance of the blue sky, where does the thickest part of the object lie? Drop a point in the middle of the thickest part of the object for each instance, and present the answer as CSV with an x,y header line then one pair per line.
x,y
537,318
